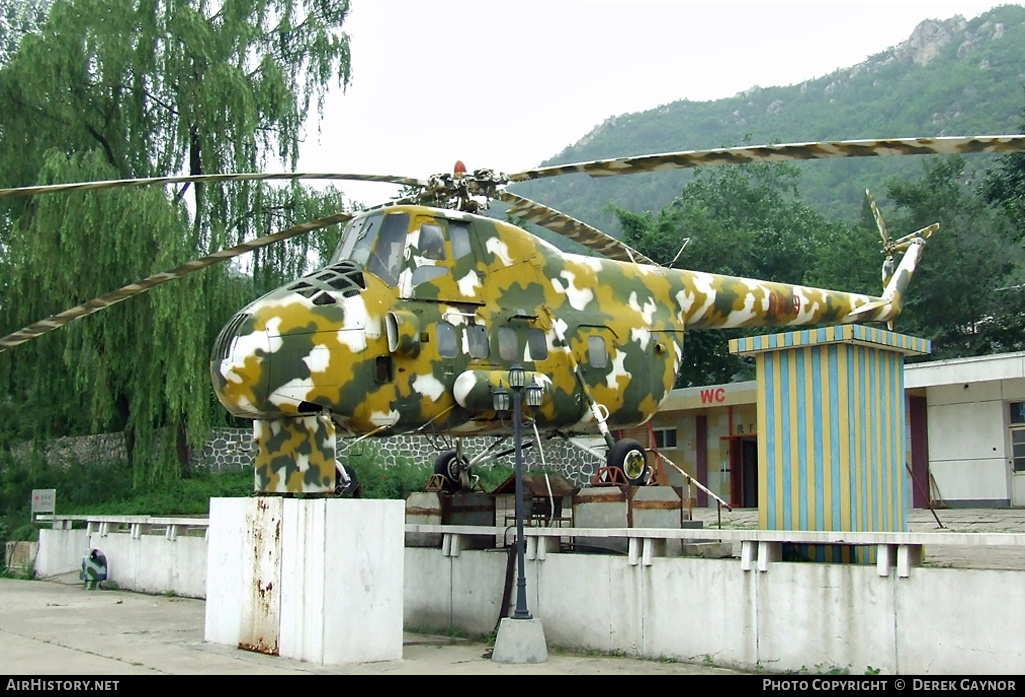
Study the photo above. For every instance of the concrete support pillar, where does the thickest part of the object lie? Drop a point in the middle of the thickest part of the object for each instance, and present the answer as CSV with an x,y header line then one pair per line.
x,y
319,580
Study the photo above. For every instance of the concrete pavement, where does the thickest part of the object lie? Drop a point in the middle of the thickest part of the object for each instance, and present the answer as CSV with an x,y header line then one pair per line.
x,y
48,628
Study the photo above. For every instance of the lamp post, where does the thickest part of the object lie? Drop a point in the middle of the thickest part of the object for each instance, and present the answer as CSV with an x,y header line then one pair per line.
x,y
517,379
524,646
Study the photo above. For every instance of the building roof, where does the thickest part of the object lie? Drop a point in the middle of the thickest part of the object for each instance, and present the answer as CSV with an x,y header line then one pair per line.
x,y
957,371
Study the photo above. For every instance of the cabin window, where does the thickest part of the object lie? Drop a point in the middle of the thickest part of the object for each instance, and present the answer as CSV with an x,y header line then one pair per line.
x,y
460,234
597,356
431,244
422,274
537,345
448,347
477,341
383,370
508,343
386,261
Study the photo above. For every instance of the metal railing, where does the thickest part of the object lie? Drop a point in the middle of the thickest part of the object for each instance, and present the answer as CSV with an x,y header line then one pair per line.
x,y
171,527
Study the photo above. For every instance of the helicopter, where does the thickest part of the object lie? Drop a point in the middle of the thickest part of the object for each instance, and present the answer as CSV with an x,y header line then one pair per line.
x,y
426,304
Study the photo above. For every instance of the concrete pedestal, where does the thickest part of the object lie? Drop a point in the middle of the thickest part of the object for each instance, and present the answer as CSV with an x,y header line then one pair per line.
x,y
318,580
520,641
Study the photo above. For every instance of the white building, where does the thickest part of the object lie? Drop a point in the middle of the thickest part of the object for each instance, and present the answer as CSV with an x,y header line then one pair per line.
x,y
975,420
965,434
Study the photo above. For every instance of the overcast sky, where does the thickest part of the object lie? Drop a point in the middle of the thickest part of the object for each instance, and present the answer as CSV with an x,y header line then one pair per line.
x,y
508,84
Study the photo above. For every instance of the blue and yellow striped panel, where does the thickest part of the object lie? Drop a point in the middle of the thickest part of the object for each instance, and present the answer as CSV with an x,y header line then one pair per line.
x,y
831,439
844,333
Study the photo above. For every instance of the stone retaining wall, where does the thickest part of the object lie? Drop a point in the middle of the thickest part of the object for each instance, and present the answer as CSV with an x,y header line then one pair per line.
x,y
233,448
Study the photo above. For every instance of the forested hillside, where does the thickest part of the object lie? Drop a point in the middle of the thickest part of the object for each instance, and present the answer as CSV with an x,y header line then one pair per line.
x,y
950,77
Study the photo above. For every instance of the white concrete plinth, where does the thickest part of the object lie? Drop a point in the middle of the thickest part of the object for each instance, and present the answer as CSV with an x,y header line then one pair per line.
x,y
319,580
520,641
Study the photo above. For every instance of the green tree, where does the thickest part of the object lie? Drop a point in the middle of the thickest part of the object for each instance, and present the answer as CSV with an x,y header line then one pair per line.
x,y
17,18
965,296
741,221
1004,185
134,88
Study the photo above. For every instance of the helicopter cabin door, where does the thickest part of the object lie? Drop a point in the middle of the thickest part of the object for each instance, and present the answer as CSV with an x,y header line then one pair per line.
x,y
628,372
440,262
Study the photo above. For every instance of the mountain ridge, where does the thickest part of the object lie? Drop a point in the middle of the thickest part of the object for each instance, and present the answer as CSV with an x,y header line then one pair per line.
x,y
954,76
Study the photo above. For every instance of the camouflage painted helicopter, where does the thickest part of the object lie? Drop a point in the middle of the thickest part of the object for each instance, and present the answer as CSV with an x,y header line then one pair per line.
x,y
415,322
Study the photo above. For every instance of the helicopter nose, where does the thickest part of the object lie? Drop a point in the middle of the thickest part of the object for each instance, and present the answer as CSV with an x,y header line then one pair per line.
x,y
236,365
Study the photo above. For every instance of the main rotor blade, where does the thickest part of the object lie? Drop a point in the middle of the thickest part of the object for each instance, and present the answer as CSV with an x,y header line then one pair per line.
x,y
571,228
132,289
781,153
206,179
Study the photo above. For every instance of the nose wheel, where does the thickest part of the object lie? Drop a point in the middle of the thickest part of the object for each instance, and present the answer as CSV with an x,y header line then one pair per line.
x,y
346,481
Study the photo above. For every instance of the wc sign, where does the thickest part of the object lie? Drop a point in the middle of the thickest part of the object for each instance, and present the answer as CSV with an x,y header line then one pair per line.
x,y
43,501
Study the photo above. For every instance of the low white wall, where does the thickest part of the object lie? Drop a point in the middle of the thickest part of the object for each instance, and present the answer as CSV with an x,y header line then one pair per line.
x,y
149,564
937,621
60,551
154,564
794,615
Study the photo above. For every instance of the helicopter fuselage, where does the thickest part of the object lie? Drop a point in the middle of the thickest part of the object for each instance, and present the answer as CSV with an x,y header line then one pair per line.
x,y
422,311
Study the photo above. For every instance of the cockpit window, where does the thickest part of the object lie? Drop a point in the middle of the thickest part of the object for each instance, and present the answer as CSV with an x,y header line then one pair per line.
x,y
358,239
432,242
386,261
460,234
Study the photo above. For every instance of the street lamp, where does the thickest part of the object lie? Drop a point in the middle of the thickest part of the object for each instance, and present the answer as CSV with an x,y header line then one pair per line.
x,y
521,642
517,379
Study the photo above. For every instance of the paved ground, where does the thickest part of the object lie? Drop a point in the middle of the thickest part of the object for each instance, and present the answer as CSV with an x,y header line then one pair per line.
x,y
50,628
47,628
923,520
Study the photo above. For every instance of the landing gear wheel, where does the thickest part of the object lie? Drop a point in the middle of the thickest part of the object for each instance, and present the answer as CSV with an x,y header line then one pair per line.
x,y
449,465
629,456
350,489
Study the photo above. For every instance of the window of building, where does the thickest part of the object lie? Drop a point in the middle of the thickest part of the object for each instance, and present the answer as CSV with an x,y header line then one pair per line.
x,y
1018,449
665,437
1018,436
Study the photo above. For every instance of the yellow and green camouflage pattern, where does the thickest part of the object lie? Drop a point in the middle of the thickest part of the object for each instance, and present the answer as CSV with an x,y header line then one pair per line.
x,y
295,455
418,346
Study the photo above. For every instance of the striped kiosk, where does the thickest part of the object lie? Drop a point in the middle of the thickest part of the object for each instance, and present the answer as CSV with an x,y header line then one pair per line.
x,y
831,446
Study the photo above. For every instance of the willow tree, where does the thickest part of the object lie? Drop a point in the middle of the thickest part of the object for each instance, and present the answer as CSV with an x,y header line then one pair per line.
x,y
136,88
